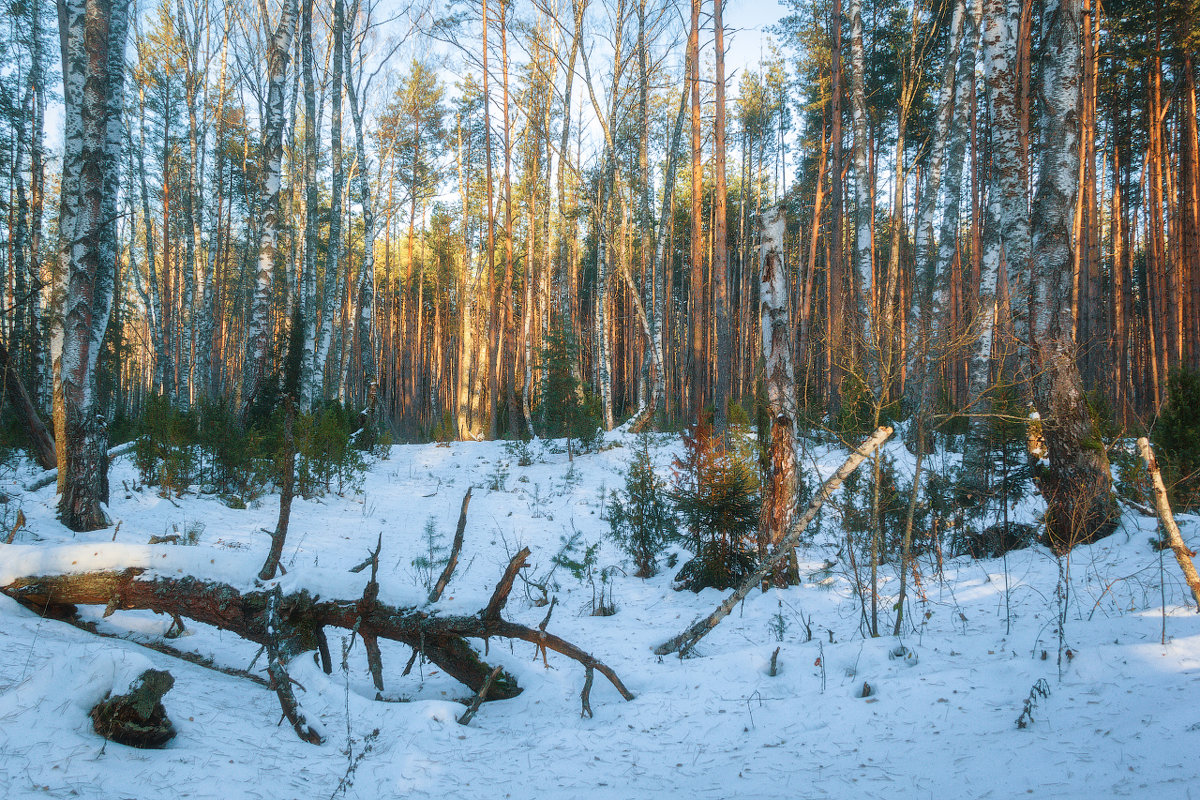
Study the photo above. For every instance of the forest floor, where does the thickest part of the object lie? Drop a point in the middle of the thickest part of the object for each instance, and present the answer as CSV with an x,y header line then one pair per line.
x,y
1117,721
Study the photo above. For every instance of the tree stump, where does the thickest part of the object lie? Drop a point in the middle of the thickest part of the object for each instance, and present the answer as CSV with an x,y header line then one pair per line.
x,y
138,718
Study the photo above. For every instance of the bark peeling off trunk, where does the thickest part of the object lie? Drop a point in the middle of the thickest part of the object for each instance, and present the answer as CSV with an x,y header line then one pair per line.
x,y
93,37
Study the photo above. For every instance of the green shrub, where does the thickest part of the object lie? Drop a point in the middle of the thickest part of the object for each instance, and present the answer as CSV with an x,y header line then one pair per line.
x,y
566,409
208,445
326,454
716,496
164,454
640,517
1176,438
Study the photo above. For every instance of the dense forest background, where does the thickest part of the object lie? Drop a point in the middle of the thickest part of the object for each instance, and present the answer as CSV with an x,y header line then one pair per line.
x,y
496,219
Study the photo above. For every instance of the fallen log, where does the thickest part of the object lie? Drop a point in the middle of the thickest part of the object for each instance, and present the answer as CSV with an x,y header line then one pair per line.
x,y
290,623
50,476
41,440
1171,534
699,629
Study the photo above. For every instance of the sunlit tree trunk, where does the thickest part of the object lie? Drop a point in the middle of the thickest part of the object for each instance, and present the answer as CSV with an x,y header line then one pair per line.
x,y
696,255
1005,243
365,294
779,381
720,262
333,257
863,180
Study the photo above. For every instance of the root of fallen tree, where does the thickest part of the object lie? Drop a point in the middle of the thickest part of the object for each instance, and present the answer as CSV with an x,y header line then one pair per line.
x,y
292,624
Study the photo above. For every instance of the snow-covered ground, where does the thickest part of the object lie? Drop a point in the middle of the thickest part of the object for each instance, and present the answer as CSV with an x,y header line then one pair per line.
x,y
1121,718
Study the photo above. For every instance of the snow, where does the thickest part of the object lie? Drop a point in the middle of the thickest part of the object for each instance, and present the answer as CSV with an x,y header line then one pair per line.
x,y
1120,720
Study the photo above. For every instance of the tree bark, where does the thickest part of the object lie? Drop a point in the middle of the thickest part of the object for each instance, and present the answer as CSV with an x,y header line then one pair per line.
x,y
258,335
93,36
40,439
1170,529
1078,483
720,263
779,381
292,619
699,629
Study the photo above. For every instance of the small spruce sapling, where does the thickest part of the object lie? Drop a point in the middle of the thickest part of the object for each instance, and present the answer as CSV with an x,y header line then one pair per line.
x,y
639,517
582,560
716,497
435,556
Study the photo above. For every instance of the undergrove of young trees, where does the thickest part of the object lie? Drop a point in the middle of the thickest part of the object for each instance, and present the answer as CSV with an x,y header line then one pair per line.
x,y
507,219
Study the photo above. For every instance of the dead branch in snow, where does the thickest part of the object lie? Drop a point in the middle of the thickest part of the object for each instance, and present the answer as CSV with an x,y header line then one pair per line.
x,y
288,625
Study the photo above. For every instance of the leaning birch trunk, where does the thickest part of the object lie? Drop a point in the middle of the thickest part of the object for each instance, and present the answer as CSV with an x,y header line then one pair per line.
x,y
1163,506
258,334
93,36
779,499
1078,483
699,629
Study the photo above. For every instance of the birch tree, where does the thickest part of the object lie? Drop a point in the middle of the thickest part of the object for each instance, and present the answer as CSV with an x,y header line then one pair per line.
x,y
863,189
258,337
779,381
93,34
1006,228
1078,483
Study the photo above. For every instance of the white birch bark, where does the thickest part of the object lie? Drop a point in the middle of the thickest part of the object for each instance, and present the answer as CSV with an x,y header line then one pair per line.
x,y
931,283
329,301
365,301
862,208
779,381
312,200
1006,229
258,336
1078,484
92,35
206,374
921,324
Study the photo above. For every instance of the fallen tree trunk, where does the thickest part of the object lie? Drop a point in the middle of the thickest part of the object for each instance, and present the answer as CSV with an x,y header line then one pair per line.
x,y
50,476
292,622
1170,529
40,438
699,629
